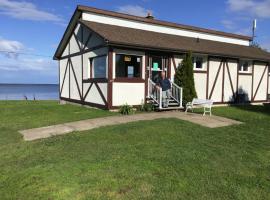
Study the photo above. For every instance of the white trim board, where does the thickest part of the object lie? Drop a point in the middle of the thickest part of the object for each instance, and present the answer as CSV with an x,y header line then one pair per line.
x,y
158,28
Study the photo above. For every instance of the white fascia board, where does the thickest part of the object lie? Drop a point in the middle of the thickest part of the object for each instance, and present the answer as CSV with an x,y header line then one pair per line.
x,y
158,28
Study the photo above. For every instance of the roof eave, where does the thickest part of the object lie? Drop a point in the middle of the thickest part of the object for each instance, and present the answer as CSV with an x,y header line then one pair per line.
x,y
71,25
177,51
163,23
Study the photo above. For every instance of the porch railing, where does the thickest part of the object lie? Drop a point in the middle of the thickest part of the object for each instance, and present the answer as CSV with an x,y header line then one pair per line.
x,y
155,93
177,94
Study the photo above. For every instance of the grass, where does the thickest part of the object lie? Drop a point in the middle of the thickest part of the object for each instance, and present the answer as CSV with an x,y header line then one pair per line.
x,y
160,159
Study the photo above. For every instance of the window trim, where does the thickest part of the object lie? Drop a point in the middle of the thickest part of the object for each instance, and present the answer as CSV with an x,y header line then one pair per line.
x,y
194,63
129,79
90,60
241,62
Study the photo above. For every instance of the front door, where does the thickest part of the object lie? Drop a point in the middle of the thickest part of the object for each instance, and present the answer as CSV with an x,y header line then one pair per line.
x,y
157,64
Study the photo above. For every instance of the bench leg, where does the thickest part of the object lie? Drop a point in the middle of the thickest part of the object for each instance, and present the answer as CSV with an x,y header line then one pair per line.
x,y
207,110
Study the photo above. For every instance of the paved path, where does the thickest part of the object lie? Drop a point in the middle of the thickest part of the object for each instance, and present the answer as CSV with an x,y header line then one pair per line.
x,y
61,129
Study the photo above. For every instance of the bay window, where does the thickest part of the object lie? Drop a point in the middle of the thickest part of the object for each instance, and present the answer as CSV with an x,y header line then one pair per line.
x,y
128,66
98,67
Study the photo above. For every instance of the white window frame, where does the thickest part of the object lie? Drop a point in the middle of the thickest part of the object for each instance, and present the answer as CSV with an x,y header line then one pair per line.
x,y
203,62
92,68
241,68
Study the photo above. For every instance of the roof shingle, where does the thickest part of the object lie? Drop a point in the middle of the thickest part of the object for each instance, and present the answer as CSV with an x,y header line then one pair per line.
x,y
152,40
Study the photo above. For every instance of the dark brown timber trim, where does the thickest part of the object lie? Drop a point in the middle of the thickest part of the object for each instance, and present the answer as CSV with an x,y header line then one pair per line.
x,y
244,74
83,51
223,79
129,80
230,78
260,82
252,82
110,78
199,71
82,30
63,78
74,74
215,81
83,103
174,64
146,77
89,88
101,94
207,77
77,41
87,41
95,80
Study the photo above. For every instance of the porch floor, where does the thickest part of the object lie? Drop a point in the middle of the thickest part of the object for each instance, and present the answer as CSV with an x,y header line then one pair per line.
x,y
61,129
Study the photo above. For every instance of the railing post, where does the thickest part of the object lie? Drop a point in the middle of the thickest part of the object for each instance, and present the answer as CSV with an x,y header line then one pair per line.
x,y
160,98
148,88
181,97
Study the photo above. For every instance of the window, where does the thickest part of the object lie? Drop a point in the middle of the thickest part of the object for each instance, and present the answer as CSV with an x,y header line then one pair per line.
x,y
128,66
244,66
98,67
198,62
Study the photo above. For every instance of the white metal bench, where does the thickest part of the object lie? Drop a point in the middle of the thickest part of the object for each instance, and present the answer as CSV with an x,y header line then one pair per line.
x,y
205,103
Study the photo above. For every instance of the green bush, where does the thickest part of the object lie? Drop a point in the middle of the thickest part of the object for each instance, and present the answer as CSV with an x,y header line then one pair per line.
x,y
147,107
126,109
184,78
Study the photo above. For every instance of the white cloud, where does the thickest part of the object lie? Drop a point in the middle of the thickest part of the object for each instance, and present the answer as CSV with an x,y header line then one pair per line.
x,y
11,61
133,10
254,8
27,11
25,63
228,24
10,48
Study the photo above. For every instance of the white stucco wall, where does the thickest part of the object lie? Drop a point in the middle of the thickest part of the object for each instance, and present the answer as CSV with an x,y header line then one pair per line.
x,y
213,69
130,93
62,65
259,69
200,84
244,84
159,28
233,68
77,66
94,95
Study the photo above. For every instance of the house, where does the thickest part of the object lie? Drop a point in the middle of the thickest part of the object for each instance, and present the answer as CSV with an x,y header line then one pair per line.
x,y
107,59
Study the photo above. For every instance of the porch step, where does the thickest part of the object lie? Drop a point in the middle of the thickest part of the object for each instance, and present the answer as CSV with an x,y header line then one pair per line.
x,y
170,108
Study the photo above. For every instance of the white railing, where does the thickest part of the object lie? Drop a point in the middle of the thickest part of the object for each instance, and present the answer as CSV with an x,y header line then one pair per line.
x,y
155,93
177,94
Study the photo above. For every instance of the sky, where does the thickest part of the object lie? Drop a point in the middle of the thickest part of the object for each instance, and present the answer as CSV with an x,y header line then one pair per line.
x,y
31,29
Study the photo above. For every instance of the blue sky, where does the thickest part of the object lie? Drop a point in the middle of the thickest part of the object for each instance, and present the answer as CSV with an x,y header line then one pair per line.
x,y
35,27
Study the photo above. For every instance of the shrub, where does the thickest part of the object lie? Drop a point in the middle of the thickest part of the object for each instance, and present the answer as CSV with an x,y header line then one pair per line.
x,y
147,107
126,109
184,78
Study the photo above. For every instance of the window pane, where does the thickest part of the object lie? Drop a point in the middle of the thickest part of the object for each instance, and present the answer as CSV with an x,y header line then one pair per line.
x,y
99,67
128,66
245,66
156,63
199,63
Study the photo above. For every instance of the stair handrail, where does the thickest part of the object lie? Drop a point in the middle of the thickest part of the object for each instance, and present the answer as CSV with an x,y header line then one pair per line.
x,y
154,93
177,93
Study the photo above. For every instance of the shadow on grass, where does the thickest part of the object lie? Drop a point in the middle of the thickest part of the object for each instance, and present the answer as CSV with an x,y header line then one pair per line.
x,y
264,109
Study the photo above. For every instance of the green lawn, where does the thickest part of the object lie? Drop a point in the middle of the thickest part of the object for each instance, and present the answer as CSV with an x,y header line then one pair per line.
x,y
160,159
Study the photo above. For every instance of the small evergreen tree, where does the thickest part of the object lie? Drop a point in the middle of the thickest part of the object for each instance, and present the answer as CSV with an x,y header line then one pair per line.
x,y
184,78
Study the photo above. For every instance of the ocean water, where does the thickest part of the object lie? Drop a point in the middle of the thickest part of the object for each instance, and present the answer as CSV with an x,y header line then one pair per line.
x,y
31,91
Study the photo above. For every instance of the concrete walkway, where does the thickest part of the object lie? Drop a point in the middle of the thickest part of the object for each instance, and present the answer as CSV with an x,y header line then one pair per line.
x,y
61,129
